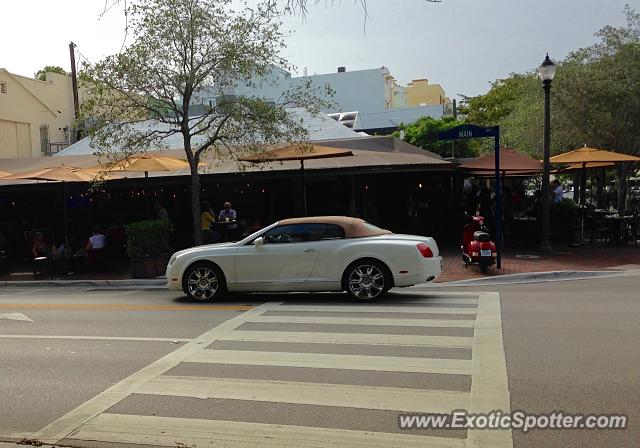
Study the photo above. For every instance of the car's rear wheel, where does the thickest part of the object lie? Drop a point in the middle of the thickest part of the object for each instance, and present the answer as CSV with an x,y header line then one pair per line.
x,y
367,280
204,282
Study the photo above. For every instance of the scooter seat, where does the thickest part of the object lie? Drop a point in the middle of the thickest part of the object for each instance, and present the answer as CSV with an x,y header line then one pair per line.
x,y
481,236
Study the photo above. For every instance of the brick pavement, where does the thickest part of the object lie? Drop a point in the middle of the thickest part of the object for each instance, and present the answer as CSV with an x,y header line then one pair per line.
x,y
585,258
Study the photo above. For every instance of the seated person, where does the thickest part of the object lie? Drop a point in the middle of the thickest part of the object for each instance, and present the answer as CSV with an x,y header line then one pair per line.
x,y
96,241
39,247
227,214
208,217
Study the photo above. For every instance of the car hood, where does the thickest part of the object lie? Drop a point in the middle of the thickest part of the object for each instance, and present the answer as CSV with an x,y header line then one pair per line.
x,y
206,247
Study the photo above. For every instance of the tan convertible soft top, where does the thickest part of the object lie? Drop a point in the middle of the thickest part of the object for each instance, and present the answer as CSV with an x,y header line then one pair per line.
x,y
353,227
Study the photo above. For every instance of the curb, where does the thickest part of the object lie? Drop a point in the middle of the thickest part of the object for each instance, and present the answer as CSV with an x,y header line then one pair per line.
x,y
128,283
532,277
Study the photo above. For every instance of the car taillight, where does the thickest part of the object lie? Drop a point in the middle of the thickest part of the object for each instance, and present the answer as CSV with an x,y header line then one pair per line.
x,y
425,250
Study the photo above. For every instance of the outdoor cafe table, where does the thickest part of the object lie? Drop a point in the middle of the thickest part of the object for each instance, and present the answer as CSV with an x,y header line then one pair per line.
x,y
618,226
222,227
525,228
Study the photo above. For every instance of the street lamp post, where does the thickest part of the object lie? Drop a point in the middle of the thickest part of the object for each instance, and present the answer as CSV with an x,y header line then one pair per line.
x,y
546,72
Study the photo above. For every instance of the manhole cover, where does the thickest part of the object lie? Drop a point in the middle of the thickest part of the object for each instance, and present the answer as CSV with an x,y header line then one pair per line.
x,y
531,257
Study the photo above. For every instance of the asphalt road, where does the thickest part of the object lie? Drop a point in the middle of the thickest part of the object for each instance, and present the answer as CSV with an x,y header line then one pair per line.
x,y
92,368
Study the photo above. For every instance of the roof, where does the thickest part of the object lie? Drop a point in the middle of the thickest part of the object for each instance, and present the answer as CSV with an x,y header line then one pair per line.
x,y
298,152
320,127
510,161
353,227
378,153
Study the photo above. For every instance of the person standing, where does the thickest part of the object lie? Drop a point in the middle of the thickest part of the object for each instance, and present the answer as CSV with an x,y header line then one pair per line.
x,y
161,213
558,192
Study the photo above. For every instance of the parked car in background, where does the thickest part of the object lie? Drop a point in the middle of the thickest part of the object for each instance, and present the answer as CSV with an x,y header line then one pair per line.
x,y
327,253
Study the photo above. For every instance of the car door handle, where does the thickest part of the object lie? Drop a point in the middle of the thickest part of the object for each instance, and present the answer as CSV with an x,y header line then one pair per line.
x,y
310,251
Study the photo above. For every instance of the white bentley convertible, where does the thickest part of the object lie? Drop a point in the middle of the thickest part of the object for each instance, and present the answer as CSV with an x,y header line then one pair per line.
x,y
328,253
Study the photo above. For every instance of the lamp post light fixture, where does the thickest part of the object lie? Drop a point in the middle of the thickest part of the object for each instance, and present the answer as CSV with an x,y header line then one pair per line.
x,y
546,72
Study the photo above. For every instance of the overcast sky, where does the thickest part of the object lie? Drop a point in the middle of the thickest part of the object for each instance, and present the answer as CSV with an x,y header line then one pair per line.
x,y
461,44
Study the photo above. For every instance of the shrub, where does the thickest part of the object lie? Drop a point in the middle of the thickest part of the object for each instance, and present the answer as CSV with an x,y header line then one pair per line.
x,y
147,239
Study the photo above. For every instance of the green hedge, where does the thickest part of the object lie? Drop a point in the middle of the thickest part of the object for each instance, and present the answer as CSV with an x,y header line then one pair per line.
x,y
147,239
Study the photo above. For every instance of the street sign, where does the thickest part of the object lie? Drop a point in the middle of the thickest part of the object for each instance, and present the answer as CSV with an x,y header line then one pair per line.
x,y
467,131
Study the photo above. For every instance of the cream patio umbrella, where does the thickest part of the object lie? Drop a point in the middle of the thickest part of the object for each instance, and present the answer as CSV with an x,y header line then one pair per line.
x,y
586,155
301,153
143,164
62,174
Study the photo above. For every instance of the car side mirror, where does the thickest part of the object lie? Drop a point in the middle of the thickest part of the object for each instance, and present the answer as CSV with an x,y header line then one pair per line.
x,y
258,241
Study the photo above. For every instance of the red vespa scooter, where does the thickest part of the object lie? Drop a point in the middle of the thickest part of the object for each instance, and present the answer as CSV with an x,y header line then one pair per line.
x,y
477,246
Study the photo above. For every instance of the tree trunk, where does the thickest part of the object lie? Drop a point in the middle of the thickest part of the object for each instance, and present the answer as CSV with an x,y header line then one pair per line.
x,y
195,189
195,205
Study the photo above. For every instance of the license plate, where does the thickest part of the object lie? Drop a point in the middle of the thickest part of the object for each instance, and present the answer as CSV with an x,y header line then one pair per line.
x,y
485,252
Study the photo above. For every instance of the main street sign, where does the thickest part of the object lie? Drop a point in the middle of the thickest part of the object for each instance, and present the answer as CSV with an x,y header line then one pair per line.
x,y
468,131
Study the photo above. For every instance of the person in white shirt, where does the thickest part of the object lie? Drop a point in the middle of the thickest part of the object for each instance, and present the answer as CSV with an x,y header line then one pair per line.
x,y
558,192
97,240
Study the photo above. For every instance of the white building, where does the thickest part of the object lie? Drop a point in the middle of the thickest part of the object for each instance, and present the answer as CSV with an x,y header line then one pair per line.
x,y
374,94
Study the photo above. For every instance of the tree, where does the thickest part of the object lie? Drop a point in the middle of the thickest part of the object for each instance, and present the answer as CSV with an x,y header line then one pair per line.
x,y
595,100
600,94
179,49
424,133
42,73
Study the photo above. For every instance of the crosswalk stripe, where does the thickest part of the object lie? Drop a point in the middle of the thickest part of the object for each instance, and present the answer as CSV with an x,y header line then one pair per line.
x,y
422,300
165,431
348,338
320,394
377,309
331,361
436,323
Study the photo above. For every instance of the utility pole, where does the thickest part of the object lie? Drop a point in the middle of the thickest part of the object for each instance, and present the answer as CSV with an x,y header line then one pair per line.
x,y
74,87
453,142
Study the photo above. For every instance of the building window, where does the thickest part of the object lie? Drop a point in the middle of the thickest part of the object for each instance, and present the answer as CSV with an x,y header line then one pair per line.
x,y
3,87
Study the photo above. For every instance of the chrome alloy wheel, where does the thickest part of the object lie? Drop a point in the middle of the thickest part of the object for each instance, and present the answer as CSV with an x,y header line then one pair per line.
x,y
203,283
366,282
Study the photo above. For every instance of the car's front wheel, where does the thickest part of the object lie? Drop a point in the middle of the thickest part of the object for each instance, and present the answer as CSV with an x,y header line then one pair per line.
x,y
367,280
204,282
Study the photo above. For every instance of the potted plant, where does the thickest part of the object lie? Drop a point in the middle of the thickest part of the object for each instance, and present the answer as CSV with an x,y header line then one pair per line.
x,y
148,247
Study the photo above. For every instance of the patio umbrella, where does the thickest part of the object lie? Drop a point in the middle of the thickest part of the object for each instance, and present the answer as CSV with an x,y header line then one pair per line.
x,y
144,163
512,162
62,174
301,153
578,166
586,155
